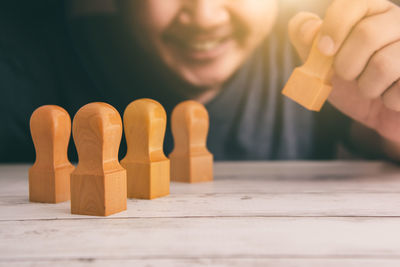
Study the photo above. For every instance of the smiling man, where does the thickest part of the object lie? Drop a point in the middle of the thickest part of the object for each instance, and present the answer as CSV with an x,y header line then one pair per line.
x,y
235,57
202,42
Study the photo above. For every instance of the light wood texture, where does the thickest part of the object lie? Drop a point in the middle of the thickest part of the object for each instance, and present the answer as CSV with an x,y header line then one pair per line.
x,y
50,174
253,214
191,161
234,261
147,167
310,84
98,184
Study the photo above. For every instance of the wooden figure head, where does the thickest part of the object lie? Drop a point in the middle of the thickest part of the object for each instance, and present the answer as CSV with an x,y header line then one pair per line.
x,y
97,132
51,130
145,122
190,124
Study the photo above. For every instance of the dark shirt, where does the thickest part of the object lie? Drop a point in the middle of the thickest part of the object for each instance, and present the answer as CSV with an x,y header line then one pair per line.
x,y
48,59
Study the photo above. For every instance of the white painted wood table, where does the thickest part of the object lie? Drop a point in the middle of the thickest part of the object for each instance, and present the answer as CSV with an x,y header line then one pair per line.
x,y
253,214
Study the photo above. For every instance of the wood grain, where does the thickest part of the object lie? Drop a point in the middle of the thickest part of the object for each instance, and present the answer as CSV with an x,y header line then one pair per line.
x,y
49,177
310,84
164,238
204,261
191,162
252,214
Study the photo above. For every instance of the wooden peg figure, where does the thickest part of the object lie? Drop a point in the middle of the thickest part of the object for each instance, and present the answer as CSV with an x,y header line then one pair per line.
x,y
191,161
310,84
147,167
98,184
50,174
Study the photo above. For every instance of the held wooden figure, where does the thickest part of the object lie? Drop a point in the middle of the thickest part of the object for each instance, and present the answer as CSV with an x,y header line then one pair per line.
x,y
49,176
191,161
310,84
147,167
98,184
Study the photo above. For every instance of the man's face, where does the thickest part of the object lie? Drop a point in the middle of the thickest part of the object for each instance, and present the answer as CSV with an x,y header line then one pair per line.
x,y
202,41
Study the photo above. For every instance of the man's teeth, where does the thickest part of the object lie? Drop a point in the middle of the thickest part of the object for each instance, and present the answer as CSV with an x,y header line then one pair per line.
x,y
204,46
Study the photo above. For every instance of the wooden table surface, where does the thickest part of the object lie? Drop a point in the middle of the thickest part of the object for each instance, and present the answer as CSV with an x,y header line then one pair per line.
x,y
253,214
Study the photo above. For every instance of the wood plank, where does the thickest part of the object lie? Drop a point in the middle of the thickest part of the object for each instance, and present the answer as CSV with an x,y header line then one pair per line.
x,y
218,262
255,189
197,238
303,169
259,168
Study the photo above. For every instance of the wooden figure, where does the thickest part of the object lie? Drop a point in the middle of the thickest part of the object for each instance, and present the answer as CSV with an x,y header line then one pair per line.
x,y
310,84
191,161
148,168
50,174
98,184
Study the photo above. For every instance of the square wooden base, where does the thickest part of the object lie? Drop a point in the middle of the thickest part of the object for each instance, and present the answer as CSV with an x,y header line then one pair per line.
x,y
98,195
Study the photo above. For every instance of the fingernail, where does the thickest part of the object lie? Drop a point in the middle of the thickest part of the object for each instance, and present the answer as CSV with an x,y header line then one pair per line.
x,y
326,45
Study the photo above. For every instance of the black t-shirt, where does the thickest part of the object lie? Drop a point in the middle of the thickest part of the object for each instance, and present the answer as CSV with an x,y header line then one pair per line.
x,y
46,59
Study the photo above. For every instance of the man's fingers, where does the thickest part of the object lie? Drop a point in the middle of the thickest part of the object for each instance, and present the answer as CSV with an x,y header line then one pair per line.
x,y
342,16
391,98
372,35
302,30
381,72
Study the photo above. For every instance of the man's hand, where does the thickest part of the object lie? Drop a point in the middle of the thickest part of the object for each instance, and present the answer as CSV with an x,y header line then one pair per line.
x,y
364,37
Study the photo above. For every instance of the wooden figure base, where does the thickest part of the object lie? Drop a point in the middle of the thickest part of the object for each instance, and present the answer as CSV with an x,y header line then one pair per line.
x,y
192,169
307,90
50,186
98,195
148,180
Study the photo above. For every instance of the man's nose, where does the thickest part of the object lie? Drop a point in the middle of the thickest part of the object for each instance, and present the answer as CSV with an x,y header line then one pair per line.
x,y
204,14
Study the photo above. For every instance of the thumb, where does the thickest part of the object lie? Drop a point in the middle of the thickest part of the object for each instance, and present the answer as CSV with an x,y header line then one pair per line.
x,y
303,28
